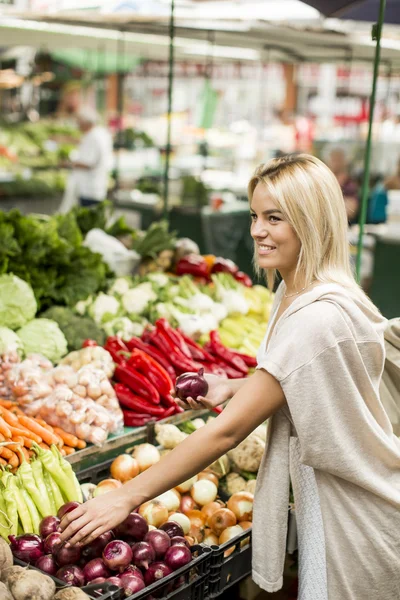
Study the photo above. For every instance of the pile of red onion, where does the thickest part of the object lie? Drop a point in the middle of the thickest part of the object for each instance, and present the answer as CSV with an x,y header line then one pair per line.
x,y
140,558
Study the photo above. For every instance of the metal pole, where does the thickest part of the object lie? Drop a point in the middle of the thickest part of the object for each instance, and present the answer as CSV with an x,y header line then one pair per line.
x,y
169,114
120,60
376,34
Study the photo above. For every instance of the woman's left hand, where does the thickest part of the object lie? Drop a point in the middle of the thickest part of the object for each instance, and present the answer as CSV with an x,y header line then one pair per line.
x,y
91,519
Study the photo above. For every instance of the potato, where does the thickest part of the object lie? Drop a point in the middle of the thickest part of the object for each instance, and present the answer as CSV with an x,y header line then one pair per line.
x,y
4,593
31,585
71,593
6,557
9,572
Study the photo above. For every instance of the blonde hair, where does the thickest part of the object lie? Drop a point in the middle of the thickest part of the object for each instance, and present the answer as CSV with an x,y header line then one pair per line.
x,y
308,194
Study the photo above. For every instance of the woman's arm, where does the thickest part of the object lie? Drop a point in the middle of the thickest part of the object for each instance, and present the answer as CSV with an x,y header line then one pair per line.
x,y
256,400
219,391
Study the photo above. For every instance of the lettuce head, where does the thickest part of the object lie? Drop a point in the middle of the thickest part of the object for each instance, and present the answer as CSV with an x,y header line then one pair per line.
x,y
17,302
43,336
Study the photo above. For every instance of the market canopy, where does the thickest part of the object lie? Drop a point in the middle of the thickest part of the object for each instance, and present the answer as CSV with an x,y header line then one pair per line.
x,y
357,10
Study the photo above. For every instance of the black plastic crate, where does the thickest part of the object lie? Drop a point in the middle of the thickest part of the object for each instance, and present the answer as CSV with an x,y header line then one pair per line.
x,y
95,473
97,591
228,570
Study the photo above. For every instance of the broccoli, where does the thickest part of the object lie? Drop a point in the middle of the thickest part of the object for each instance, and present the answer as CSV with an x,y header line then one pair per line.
x,y
76,329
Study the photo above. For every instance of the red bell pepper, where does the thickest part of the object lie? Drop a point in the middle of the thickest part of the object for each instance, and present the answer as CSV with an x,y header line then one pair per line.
x,y
218,349
154,353
250,361
243,278
132,419
175,337
192,264
224,265
116,347
197,352
89,343
136,403
169,412
136,382
180,363
154,372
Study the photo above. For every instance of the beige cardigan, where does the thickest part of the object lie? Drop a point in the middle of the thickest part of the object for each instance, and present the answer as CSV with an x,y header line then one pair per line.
x,y
327,353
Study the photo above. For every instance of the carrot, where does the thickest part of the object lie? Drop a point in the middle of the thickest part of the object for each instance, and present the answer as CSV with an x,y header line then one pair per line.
x,y
47,436
10,456
26,454
31,453
44,446
67,438
9,417
27,442
44,424
2,438
4,428
6,403
18,439
81,444
26,433
3,461
68,450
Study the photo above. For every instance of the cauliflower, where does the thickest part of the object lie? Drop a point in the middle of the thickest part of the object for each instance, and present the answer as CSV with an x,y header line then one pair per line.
x,y
136,300
120,286
159,279
247,455
82,306
234,302
197,423
235,483
201,302
124,328
251,486
104,308
169,436
221,466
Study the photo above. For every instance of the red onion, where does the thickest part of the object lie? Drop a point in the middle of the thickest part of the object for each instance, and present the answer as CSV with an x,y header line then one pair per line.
x,y
143,555
173,529
178,540
156,571
159,540
177,557
132,570
67,555
132,584
66,508
51,542
47,564
98,580
114,581
191,385
71,575
27,547
48,525
94,569
117,555
134,526
95,548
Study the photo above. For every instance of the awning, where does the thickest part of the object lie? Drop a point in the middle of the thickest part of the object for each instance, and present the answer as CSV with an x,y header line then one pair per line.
x,y
98,62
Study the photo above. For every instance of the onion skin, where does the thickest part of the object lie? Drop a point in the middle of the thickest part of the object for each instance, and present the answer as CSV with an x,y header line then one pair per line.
x,y
191,385
183,521
67,555
209,476
114,581
48,525
172,529
132,570
134,526
222,519
132,584
186,485
154,512
27,547
47,564
66,508
179,541
94,569
95,549
204,491
210,539
124,468
117,555
177,557
241,504
187,503
155,572
208,510
171,500
71,575
227,535
143,554
159,540
50,543
107,485
245,525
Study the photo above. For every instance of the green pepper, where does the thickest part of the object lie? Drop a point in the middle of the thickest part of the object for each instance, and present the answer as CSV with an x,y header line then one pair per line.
x,y
5,525
57,495
42,495
50,495
27,480
22,508
69,472
33,511
50,464
12,511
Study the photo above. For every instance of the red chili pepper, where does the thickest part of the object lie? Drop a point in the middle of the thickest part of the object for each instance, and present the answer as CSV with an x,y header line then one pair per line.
x,y
250,361
89,343
175,337
224,265
136,403
154,353
115,342
192,264
169,412
243,278
136,382
214,369
178,360
154,372
222,352
132,419
197,352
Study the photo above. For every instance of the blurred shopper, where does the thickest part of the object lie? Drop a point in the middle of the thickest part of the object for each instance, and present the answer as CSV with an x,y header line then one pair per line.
x,y
393,182
94,159
338,163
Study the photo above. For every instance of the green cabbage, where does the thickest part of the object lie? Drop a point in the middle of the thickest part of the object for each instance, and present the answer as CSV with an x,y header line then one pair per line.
x,y
9,342
17,302
45,337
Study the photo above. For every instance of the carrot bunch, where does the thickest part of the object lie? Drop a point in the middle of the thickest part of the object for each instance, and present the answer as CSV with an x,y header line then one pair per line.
x,y
18,432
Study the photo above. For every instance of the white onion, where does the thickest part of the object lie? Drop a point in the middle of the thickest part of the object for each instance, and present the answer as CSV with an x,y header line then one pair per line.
x,y
204,491
170,499
241,504
154,512
147,455
186,485
228,534
183,521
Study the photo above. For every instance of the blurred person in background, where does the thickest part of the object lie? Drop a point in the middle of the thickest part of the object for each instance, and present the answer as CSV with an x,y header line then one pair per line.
x,y
93,162
337,161
393,182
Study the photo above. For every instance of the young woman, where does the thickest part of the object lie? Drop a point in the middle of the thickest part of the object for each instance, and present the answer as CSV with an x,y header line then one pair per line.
x,y
318,376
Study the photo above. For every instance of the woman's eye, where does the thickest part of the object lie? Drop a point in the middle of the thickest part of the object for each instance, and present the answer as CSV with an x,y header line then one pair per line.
x,y
274,219
253,216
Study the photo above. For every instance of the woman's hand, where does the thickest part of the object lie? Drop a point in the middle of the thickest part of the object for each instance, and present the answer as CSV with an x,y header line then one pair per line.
x,y
91,519
219,391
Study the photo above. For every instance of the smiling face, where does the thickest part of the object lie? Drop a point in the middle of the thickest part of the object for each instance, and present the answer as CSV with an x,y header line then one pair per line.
x,y
276,244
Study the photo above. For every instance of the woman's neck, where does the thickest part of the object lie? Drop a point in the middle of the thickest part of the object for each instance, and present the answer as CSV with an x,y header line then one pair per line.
x,y
294,284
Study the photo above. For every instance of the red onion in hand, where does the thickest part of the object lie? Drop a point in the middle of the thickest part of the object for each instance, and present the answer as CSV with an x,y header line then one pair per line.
x,y
156,571
143,555
71,575
159,540
94,569
27,547
117,555
48,525
177,557
191,385
47,564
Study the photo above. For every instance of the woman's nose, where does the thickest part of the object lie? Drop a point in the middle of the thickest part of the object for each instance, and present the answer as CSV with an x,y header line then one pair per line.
x,y
258,230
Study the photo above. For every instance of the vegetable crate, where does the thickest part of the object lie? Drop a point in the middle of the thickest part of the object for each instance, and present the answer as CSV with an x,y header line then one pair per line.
x,y
230,563
98,591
